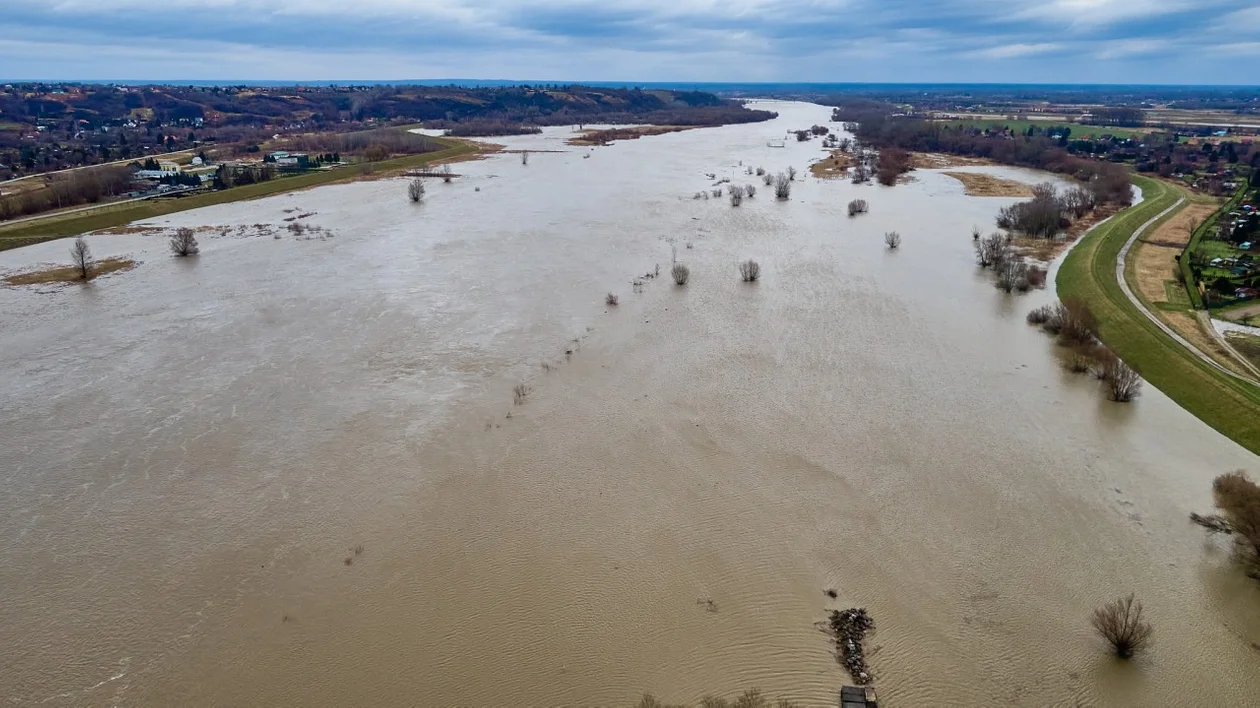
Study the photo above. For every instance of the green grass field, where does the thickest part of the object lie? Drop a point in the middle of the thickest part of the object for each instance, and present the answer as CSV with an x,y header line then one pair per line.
x,y
108,216
1021,126
1089,273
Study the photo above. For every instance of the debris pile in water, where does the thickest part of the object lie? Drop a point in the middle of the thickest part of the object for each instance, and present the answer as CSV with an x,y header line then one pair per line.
x,y
850,627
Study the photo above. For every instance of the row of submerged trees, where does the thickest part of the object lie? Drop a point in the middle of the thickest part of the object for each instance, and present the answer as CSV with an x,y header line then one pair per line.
x,y
1076,329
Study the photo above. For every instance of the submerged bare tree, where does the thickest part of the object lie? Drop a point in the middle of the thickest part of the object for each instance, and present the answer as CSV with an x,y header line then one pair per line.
x,y
736,193
524,157
681,273
750,190
1120,622
782,186
1237,497
1012,275
749,271
184,242
791,173
768,179
415,190
892,239
858,206
1123,383
447,174
81,256
992,250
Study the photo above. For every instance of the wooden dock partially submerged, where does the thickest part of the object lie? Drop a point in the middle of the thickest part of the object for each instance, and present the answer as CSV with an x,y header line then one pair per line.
x,y
858,697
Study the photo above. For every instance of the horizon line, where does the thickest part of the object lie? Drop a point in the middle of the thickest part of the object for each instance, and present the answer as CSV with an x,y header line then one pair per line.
x,y
597,82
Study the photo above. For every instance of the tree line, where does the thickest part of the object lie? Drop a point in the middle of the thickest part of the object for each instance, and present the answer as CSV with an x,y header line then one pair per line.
x,y
86,186
1109,182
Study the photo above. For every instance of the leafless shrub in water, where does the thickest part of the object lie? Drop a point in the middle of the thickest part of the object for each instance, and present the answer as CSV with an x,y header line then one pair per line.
x,y
1040,315
761,171
1012,275
520,392
81,257
1078,326
524,157
447,174
1078,361
1123,383
791,173
717,193
750,190
184,242
768,179
1238,499
415,190
782,186
751,698
892,239
749,271
858,206
736,194
1120,622
993,250
681,273
1100,359
650,701
611,299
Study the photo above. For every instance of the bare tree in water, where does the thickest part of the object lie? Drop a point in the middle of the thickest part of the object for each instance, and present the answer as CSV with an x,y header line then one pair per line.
x,y
415,190
81,256
1120,622
184,242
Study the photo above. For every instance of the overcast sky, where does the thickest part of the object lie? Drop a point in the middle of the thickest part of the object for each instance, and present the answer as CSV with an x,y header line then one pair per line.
x,y
1041,41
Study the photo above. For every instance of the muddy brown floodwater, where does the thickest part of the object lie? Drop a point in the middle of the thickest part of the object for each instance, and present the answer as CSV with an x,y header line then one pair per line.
x,y
285,473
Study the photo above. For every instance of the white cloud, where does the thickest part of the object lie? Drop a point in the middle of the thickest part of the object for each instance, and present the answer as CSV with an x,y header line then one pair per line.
x,y
1011,51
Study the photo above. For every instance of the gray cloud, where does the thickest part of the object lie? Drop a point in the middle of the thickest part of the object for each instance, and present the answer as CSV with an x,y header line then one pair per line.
x,y
1069,41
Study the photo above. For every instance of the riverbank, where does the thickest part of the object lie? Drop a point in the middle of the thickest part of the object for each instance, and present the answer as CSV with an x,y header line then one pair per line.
x,y
1089,273
115,215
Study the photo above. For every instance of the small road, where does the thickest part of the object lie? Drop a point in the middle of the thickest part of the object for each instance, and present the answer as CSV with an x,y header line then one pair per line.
x,y
90,207
1121,260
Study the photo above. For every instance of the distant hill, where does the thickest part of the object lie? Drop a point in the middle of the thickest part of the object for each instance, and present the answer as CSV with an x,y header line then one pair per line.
x,y
45,127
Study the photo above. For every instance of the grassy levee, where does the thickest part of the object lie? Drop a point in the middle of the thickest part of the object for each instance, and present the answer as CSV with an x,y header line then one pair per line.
x,y
1089,273
108,216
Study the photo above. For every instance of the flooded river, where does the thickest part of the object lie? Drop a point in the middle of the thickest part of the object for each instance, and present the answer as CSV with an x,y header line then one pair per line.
x,y
291,471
